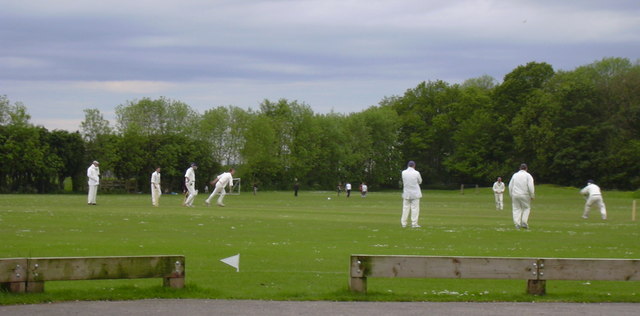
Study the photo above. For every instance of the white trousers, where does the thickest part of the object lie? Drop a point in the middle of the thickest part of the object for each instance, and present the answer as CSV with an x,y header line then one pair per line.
x,y
155,195
93,191
192,194
597,200
218,189
499,201
521,208
410,206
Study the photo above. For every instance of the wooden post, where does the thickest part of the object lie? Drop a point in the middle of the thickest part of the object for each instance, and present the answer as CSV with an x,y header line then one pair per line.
x,y
358,285
35,287
633,211
536,287
462,189
13,275
176,279
477,191
358,279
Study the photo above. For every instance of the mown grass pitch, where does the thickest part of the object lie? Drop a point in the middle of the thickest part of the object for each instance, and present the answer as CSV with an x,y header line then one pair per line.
x,y
298,248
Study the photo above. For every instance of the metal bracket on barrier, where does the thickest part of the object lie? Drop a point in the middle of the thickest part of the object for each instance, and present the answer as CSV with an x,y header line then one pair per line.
x,y
179,268
538,269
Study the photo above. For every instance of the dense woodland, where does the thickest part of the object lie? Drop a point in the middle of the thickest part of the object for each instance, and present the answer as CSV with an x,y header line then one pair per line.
x,y
568,126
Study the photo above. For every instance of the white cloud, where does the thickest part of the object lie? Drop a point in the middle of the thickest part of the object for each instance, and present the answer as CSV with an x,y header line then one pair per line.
x,y
61,124
64,56
125,86
16,62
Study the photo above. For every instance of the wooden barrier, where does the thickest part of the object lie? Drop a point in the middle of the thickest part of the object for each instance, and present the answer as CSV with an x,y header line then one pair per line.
x,y
536,270
29,274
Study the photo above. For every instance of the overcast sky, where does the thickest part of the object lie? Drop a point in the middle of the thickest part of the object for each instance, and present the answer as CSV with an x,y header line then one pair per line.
x,y
59,57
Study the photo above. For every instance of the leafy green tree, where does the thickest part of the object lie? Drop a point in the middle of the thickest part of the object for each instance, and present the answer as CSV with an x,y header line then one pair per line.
x,y
13,114
286,119
69,148
162,116
478,155
22,156
331,152
429,114
306,148
94,125
381,164
485,82
517,88
223,128
260,153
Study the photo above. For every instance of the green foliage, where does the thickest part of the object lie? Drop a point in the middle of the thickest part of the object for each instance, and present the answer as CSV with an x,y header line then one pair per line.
x,y
568,126
94,125
161,116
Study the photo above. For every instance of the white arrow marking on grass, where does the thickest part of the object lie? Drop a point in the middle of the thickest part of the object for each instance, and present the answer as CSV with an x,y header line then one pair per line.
x,y
233,261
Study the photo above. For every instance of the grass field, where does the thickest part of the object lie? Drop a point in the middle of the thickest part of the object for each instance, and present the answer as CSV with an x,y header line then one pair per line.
x,y
298,248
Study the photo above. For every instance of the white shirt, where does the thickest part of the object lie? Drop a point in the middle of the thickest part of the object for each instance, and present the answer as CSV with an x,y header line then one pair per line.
x,y
522,184
225,179
498,187
364,188
190,176
93,173
155,178
348,186
411,180
590,190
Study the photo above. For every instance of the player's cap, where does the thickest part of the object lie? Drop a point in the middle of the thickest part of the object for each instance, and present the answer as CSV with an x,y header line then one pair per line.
x,y
95,162
193,164
590,181
411,163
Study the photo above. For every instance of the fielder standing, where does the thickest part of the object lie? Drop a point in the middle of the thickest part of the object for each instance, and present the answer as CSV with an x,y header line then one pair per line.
x,y
498,192
156,191
411,194
522,191
190,183
93,173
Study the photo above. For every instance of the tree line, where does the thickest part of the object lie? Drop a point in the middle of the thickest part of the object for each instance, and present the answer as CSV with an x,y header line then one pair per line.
x,y
568,126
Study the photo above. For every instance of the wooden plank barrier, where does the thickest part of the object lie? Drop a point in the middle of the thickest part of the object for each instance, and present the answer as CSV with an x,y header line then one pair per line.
x,y
535,270
29,274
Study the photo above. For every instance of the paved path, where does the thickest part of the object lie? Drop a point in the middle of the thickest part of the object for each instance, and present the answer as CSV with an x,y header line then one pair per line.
x,y
184,307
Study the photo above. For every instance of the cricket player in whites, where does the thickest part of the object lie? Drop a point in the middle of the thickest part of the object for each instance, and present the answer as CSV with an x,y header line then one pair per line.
x,y
594,196
522,191
498,192
220,182
190,183
155,187
411,195
93,173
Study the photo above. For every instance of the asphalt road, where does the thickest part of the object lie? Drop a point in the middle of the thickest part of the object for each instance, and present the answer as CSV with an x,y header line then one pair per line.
x,y
184,307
